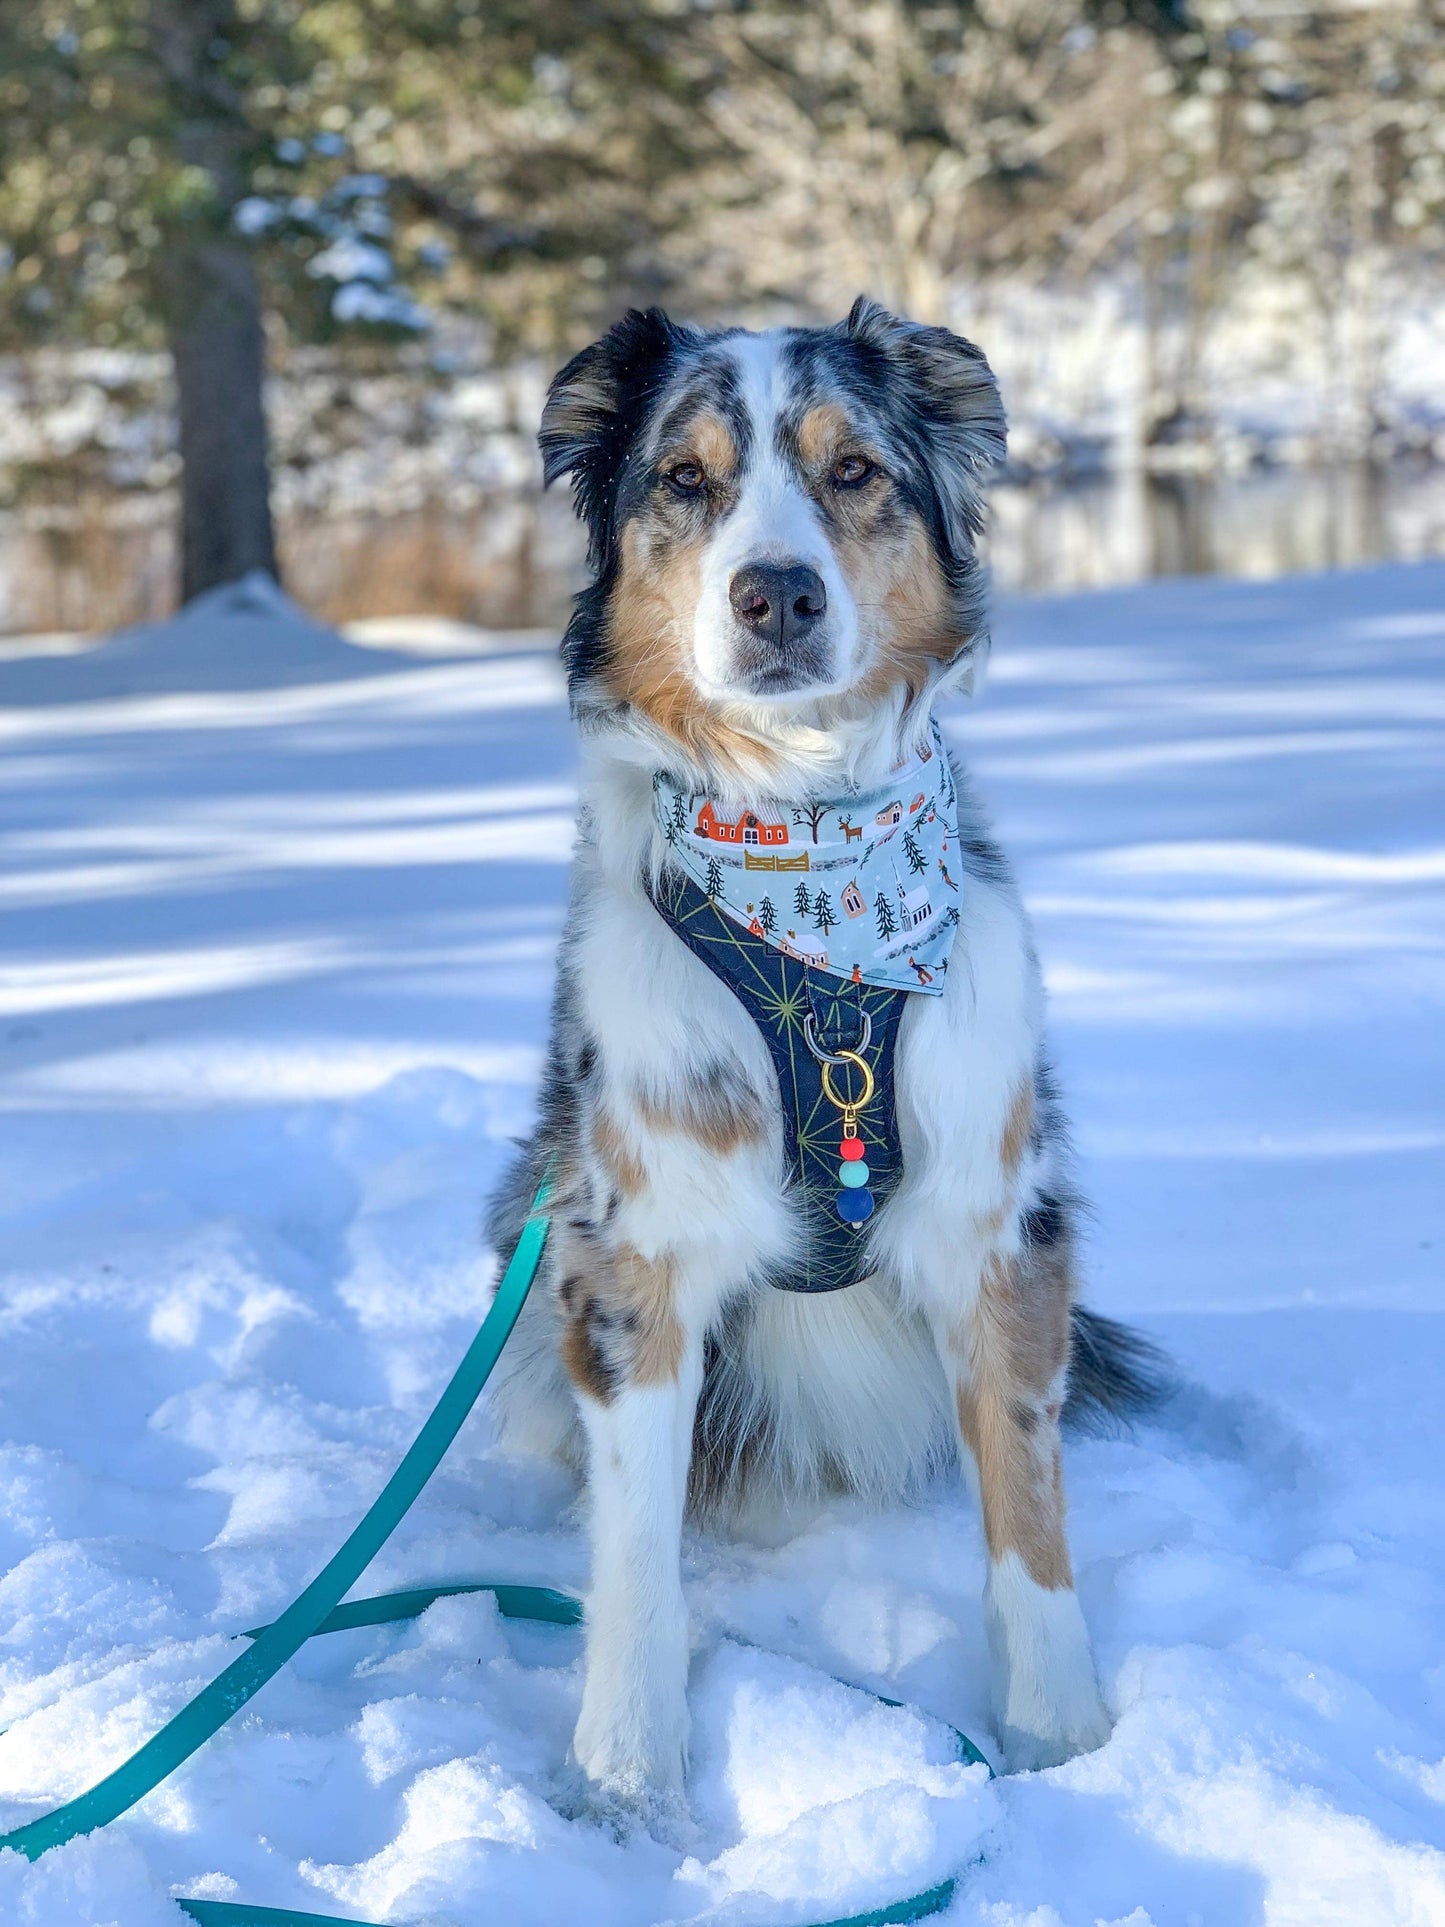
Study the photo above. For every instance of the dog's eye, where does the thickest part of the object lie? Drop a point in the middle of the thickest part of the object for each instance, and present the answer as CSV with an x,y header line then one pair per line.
x,y
851,471
686,477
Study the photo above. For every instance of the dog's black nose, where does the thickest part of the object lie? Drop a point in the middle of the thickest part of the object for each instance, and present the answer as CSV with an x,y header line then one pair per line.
x,y
778,602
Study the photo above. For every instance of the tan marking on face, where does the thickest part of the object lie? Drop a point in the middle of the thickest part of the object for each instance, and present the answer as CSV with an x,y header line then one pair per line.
x,y
1016,1344
1017,1128
720,1121
903,601
710,440
619,1160
649,657
822,434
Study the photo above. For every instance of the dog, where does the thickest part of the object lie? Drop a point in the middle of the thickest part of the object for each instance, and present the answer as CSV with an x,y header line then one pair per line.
x,y
785,582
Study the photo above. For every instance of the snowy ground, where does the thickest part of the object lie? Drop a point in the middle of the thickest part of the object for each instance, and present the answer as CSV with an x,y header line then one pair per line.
x,y
273,986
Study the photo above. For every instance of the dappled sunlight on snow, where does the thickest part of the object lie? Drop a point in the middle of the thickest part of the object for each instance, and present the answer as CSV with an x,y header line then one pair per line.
x,y
279,921
279,1069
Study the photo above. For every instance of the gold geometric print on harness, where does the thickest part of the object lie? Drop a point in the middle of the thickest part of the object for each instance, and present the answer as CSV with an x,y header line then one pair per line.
x,y
791,1004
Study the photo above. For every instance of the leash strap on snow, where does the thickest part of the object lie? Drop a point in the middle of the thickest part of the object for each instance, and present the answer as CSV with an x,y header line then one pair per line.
x,y
556,1609
230,1913
319,1610
179,1738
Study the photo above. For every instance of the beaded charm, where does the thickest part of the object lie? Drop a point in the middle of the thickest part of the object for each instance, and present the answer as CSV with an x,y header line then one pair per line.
x,y
855,1201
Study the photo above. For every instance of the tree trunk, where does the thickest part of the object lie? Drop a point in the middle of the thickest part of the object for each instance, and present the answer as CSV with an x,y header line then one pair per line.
x,y
213,318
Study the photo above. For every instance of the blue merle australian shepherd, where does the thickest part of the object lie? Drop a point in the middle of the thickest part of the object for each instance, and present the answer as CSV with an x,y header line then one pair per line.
x,y
813,1222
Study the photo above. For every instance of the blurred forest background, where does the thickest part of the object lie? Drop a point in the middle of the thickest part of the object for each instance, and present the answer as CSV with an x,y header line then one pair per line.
x,y
281,284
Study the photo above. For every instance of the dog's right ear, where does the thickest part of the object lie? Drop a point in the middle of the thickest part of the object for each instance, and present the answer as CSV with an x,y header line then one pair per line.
x,y
596,407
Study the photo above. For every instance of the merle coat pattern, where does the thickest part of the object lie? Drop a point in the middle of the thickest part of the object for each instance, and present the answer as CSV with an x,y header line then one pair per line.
x,y
782,538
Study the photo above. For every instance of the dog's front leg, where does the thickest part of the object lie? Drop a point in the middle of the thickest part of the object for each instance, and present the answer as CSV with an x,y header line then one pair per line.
x,y
1007,1356
637,1370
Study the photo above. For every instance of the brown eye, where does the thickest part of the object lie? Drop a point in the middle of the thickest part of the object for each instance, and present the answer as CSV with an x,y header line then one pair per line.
x,y
687,478
851,471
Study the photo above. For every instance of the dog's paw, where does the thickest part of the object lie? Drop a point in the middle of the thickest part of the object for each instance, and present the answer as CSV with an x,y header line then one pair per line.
x,y
1046,1696
625,1805
1084,1732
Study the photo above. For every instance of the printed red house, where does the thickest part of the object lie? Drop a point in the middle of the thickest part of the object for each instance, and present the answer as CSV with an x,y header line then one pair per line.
x,y
748,829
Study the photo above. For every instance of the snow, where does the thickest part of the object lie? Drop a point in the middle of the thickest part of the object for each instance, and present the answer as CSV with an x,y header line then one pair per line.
x,y
256,213
279,916
361,301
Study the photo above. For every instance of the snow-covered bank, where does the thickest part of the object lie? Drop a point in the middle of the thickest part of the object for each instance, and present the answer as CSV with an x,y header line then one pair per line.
x,y
274,984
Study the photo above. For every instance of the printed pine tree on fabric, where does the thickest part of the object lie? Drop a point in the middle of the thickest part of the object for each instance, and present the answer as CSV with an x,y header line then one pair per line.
x,y
825,917
714,878
767,916
917,861
802,902
677,823
887,922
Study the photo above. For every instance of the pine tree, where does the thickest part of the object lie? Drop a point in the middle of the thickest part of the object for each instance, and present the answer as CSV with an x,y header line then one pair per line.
x,y
887,922
917,861
679,815
714,879
767,916
825,917
802,902
208,174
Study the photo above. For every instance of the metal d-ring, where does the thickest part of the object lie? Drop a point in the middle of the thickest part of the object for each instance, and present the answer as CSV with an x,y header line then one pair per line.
x,y
810,1038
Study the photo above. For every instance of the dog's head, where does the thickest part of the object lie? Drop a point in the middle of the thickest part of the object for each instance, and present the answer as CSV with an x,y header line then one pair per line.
x,y
782,526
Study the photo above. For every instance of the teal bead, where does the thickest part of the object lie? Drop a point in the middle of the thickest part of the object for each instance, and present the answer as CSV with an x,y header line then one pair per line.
x,y
854,1175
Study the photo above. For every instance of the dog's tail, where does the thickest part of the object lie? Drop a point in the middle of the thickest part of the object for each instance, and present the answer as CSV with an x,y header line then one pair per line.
x,y
1115,1373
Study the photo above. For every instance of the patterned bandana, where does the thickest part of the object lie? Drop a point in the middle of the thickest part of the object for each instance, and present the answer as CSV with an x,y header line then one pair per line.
x,y
861,888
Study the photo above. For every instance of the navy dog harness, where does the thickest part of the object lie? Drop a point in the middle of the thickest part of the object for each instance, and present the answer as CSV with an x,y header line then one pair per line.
x,y
829,1016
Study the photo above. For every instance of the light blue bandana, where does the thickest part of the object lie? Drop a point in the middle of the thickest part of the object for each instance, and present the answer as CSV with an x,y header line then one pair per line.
x,y
864,888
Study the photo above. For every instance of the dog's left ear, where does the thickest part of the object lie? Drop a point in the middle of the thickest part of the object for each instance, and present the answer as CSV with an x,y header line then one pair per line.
x,y
594,410
955,400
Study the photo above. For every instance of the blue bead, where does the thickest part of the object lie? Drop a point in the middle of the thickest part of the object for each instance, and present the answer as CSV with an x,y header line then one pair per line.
x,y
855,1207
853,1175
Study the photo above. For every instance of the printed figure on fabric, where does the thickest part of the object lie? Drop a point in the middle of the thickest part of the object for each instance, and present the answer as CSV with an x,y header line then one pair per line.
x,y
880,905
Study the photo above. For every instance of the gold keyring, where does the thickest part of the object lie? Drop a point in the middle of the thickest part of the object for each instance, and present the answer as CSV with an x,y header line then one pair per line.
x,y
844,1104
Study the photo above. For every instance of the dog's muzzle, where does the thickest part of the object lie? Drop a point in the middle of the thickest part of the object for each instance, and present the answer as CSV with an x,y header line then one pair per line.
x,y
779,610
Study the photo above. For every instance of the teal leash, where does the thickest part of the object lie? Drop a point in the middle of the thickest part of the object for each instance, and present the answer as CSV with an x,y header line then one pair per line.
x,y
215,1704
514,1602
230,1913
319,1610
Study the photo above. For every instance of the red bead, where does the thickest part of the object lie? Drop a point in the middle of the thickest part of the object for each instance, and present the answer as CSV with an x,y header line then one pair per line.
x,y
851,1148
